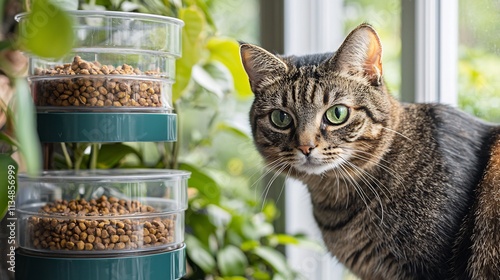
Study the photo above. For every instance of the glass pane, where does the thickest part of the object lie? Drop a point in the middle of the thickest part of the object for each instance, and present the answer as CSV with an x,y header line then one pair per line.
x,y
479,58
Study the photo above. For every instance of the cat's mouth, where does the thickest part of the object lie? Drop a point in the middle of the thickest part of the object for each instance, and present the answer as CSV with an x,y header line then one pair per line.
x,y
314,165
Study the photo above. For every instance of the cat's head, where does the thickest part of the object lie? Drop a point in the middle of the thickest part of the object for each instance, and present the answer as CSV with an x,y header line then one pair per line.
x,y
320,112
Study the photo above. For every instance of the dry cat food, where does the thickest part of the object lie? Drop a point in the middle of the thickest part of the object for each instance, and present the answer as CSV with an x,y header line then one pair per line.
x,y
81,229
106,89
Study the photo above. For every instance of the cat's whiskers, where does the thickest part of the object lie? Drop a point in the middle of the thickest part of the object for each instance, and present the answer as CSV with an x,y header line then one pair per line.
x,y
353,182
398,133
264,194
283,186
377,161
368,180
385,191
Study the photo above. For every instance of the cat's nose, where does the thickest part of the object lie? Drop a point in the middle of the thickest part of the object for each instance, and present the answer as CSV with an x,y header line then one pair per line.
x,y
306,149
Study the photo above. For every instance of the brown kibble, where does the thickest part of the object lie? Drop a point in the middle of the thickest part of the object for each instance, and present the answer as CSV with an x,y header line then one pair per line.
x,y
50,92
111,230
82,99
82,226
89,246
119,246
92,101
99,246
77,230
83,236
124,238
60,88
80,245
134,238
102,90
84,65
114,238
80,232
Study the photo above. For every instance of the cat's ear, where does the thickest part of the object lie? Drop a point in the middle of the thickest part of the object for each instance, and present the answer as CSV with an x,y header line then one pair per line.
x,y
360,54
262,67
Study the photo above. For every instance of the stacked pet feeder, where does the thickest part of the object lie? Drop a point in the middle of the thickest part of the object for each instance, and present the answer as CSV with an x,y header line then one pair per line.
x,y
115,86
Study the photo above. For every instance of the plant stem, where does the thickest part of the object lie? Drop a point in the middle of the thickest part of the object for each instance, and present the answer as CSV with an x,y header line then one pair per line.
x,y
94,151
69,163
79,152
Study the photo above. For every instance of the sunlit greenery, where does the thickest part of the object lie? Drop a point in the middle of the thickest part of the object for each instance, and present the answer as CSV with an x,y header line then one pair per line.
x,y
479,86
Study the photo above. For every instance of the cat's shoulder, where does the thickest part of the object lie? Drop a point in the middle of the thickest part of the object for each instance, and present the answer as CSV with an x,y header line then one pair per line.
x,y
485,259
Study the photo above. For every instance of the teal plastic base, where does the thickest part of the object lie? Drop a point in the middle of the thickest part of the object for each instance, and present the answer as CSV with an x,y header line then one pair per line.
x,y
155,266
106,127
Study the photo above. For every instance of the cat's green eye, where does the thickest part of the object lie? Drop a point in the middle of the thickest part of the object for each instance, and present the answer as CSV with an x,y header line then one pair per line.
x,y
281,119
337,114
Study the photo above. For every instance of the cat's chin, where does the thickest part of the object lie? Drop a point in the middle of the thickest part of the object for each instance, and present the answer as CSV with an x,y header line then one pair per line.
x,y
314,169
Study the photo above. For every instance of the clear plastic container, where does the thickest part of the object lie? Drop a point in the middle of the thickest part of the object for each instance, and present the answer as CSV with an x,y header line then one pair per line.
x,y
134,52
102,211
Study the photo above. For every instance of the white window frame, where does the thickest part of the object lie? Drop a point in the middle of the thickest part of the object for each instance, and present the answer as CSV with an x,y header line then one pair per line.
x,y
429,37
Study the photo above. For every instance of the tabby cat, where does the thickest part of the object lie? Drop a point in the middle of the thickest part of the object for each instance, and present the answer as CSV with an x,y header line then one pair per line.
x,y
399,191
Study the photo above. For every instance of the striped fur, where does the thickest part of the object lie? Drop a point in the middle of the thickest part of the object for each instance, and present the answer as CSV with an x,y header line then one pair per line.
x,y
399,191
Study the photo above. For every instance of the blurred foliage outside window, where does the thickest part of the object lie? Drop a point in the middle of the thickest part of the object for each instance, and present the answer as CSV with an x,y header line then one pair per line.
x,y
479,62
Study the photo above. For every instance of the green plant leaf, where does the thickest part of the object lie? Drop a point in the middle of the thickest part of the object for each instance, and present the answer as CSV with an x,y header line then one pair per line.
x,y
194,24
283,239
214,77
111,154
270,211
9,140
5,44
275,259
8,184
200,226
256,228
206,186
218,216
25,127
47,31
233,128
231,261
249,245
232,278
199,254
227,51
